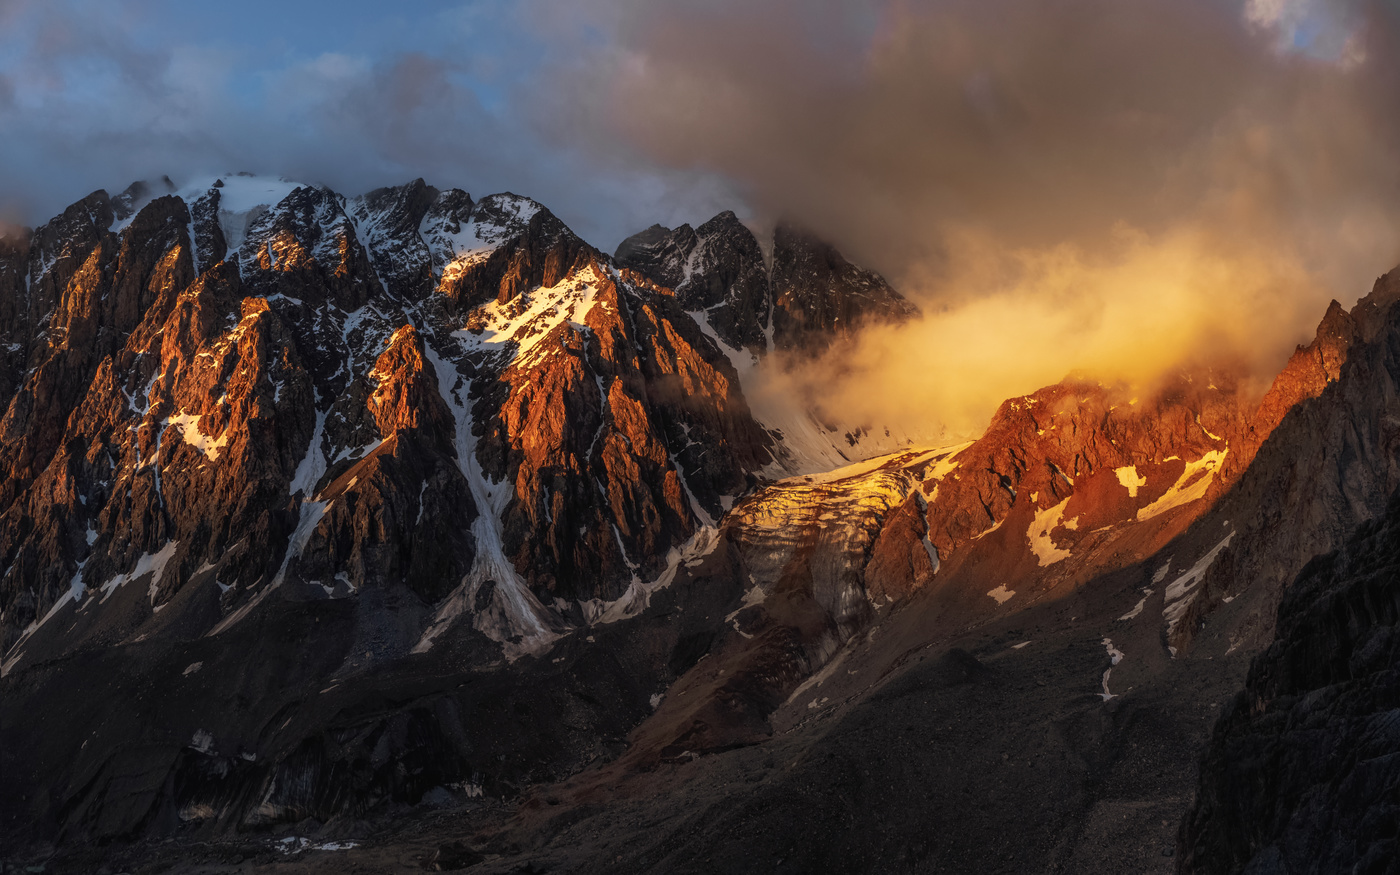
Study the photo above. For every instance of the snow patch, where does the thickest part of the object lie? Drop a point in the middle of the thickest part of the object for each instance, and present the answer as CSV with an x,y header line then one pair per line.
x,y
638,595
188,425
297,844
1001,594
513,609
313,465
1214,437
453,251
1137,609
149,563
818,679
1191,486
203,741
1181,592
754,596
1115,656
311,513
545,310
1046,521
242,200
1130,479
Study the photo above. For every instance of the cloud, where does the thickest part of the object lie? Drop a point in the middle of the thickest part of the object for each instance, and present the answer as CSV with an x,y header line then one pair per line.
x,y
1118,185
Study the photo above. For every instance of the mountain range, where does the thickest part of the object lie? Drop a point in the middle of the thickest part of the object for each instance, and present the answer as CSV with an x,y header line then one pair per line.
x,y
411,530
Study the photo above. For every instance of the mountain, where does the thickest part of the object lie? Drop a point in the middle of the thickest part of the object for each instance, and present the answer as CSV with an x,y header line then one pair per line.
x,y
410,529
808,298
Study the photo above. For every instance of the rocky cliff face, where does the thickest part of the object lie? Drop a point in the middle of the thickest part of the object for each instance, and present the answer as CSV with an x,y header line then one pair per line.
x,y
1327,467
313,410
1301,772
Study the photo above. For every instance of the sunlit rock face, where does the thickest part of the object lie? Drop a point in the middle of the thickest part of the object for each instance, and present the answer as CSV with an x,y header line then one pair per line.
x,y
337,402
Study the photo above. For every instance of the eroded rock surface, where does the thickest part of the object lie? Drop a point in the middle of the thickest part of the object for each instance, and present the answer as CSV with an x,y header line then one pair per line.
x,y
1301,773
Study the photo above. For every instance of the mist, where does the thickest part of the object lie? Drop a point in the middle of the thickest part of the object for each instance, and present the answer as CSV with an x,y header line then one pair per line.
x,y
1117,187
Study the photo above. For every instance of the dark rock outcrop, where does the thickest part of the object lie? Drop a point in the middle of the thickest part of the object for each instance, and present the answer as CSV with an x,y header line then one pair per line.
x,y
819,296
717,268
1302,773
811,297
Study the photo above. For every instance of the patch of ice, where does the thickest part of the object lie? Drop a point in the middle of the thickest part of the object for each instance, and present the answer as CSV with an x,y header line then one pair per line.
x,y
192,668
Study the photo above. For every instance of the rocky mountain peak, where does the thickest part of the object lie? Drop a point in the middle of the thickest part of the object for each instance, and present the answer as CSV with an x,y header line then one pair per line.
x,y
810,297
818,294
387,221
